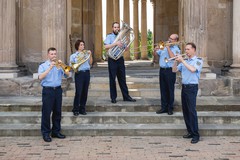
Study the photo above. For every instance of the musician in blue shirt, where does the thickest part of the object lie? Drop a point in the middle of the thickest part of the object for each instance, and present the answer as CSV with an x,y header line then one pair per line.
x,y
51,79
82,78
190,70
116,67
167,78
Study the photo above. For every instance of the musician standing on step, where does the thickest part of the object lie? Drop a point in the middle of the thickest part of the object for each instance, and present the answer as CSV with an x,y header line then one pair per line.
x,y
82,79
167,78
51,79
116,67
190,70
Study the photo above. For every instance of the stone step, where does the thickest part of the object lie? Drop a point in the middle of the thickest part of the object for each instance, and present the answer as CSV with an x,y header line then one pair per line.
x,y
103,104
131,85
122,118
122,129
143,92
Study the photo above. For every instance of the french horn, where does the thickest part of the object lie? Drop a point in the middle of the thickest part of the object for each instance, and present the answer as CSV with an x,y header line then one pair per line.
x,y
81,58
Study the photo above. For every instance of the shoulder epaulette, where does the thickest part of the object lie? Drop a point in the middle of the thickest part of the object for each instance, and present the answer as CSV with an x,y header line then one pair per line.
x,y
109,33
200,58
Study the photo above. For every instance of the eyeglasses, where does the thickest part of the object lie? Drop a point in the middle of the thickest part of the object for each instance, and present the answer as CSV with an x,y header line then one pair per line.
x,y
171,38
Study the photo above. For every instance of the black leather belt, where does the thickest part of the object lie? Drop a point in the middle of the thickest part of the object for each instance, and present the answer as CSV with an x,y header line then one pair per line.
x,y
189,85
48,87
165,68
83,71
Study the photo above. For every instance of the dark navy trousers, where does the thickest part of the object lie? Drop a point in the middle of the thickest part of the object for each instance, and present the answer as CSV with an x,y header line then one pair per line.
x,y
189,96
52,103
117,68
167,80
82,79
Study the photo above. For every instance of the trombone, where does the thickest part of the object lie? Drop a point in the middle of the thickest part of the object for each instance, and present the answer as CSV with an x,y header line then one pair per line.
x,y
173,58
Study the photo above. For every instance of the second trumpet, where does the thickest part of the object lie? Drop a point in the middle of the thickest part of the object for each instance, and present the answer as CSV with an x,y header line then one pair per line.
x,y
173,58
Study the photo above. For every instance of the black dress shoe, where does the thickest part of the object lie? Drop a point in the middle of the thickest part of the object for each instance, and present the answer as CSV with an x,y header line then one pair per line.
x,y
47,139
83,113
75,113
130,99
161,111
188,136
194,140
113,101
170,112
58,135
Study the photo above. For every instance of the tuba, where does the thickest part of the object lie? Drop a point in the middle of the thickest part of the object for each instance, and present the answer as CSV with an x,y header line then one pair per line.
x,y
81,58
126,36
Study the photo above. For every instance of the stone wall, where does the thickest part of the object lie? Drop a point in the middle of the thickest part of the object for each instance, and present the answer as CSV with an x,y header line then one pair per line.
x,y
26,86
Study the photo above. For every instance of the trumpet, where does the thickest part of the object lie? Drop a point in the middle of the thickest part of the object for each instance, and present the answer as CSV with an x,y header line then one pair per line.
x,y
173,58
65,67
162,44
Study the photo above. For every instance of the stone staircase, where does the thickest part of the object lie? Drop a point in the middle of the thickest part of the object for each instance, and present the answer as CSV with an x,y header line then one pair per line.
x,y
218,116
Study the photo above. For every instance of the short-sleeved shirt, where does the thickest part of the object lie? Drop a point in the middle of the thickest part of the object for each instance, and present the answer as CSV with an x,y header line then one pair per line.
x,y
164,54
53,78
110,38
189,77
85,66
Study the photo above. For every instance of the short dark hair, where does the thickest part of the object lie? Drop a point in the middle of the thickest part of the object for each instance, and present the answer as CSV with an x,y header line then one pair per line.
x,y
192,44
51,49
77,44
114,23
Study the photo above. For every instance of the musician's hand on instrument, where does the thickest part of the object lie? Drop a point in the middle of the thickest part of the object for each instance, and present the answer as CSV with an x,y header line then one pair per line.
x,y
59,61
119,44
179,58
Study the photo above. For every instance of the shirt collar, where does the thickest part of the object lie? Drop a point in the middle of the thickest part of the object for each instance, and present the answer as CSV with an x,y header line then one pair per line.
x,y
194,57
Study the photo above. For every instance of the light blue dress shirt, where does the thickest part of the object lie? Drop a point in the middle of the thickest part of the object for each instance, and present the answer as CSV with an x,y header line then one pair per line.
x,y
187,76
164,54
53,78
110,38
85,66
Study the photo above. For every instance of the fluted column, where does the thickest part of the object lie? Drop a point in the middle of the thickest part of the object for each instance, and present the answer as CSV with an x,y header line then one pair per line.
x,y
236,39
110,16
54,27
8,67
116,11
136,29
195,26
98,43
144,52
126,19
155,57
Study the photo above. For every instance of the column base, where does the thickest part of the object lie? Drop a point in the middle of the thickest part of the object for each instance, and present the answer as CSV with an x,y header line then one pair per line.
x,y
234,72
9,72
8,75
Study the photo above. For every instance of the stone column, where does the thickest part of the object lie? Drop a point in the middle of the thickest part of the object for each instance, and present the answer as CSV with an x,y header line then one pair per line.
x,y
54,27
195,26
235,71
116,11
136,30
98,40
8,67
144,52
126,19
110,16
155,57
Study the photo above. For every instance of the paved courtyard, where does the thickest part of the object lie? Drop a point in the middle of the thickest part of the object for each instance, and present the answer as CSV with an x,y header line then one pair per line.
x,y
120,148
